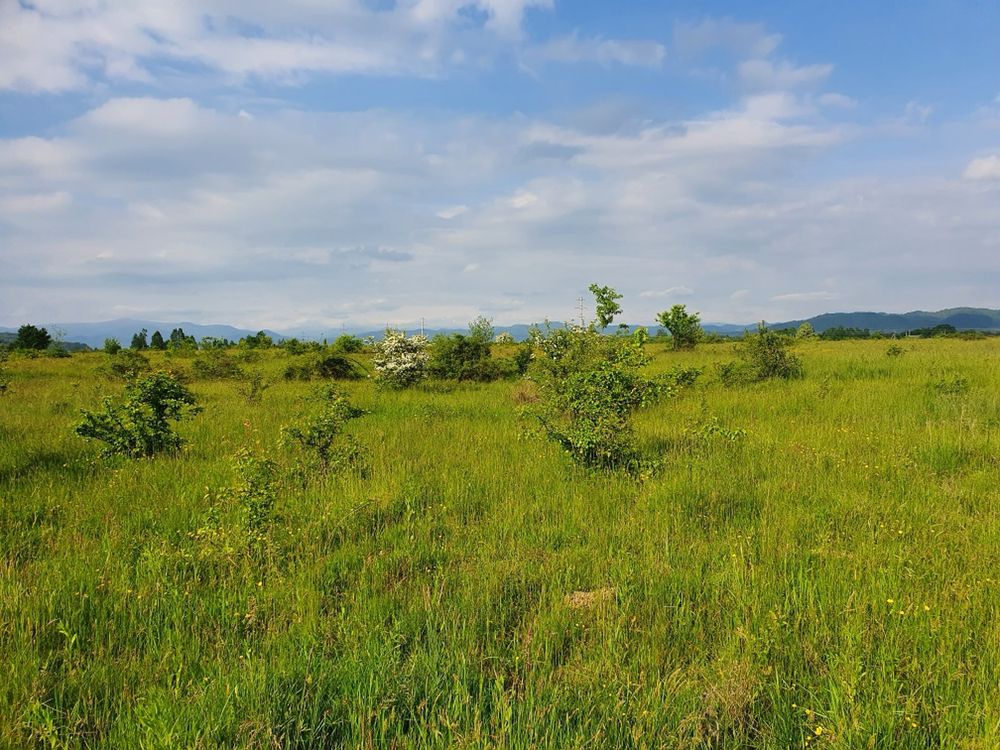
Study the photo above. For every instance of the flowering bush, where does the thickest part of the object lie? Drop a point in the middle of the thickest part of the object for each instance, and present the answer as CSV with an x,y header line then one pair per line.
x,y
400,360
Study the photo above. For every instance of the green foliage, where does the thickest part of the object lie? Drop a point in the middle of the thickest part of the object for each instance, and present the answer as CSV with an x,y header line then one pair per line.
x,y
32,337
589,386
139,426
320,433
806,332
157,342
764,355
139,341
684,327
259,340
216,364
329,365
894,350
347,344
4,380
606,303
503,339
459,357
112,346
251,387
254,491
126,364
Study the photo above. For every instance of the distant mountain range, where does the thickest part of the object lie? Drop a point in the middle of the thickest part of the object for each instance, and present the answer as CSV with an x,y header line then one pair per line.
x,y
94,334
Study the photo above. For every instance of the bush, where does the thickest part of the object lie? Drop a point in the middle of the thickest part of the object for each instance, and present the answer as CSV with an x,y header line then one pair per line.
x,y
320,434
894,350
112,346
334,366
140,425
764,356
400,361
216,364
347,344
127,364
588,387
459,357
251,387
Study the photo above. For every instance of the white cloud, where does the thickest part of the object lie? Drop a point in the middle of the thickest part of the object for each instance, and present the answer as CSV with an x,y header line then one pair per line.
x,y
55,46
837,101
674,291
451,212
768,75
575,49
738,38
983,168
804,297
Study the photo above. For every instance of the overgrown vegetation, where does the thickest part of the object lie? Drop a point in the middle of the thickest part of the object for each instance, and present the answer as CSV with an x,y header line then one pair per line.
x,y
139,425
813,565
764,355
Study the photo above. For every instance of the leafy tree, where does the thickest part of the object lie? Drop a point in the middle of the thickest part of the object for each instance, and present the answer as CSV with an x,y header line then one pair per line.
x,y
460,357
157,342
320,434
503,339
607,304
112,346
178,339
32,337
684,327
589,386
806,332
259,340
764,356
348,344
139,341
139,426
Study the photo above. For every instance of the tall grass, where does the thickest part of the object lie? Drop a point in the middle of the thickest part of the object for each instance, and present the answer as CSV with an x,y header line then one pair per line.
x,y
827,579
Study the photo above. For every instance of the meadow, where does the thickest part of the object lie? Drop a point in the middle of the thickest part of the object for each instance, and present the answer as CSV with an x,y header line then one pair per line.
x,y
815,564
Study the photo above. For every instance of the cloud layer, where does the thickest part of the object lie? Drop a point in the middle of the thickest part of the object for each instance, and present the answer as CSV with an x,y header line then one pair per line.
x,y
262,211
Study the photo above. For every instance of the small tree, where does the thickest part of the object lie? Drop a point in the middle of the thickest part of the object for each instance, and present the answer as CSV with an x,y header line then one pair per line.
x,y
112,346
157,342
806,332
259,340
400,361
607,304
139,341
321,434
139,426
764,356
685,328
589,386
32,337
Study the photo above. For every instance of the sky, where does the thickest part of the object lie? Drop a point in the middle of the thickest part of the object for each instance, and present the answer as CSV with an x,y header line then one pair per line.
x,y
357,163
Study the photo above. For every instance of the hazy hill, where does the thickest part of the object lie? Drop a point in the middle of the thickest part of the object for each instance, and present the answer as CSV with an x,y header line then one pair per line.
x,y
122,329
963,318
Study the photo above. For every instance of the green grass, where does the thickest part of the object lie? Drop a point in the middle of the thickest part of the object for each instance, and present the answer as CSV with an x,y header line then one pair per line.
x,y
828,580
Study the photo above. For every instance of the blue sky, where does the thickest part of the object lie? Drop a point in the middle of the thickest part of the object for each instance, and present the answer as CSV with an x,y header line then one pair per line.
x,y
339,162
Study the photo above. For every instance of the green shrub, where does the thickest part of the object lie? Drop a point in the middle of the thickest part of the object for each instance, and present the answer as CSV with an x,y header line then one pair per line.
x,y
127,364
589,385
894,350
112,346
347,344
139,426
320,434
763,355
334,366
216,364
252,386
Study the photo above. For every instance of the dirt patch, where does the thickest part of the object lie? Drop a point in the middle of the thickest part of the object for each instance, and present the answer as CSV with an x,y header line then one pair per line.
x,y
589,599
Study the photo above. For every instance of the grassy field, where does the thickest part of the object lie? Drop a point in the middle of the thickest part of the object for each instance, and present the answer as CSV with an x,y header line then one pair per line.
x,y
828,577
